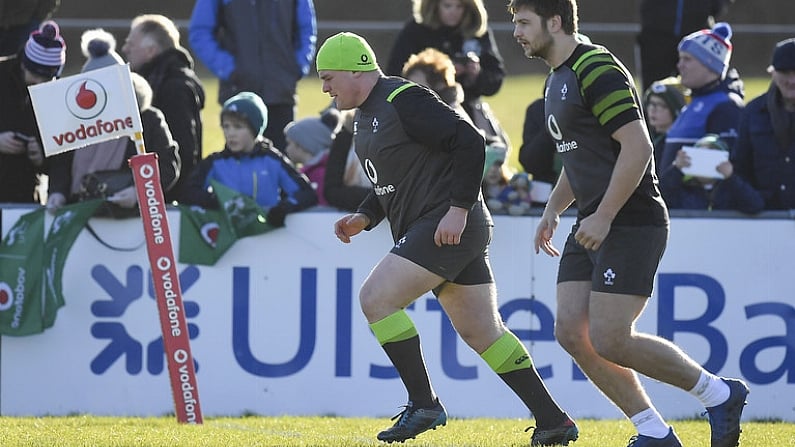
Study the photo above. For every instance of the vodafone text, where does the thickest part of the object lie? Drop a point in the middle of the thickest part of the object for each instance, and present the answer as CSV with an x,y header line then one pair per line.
x,y
153,205
94,130
172,304
188,390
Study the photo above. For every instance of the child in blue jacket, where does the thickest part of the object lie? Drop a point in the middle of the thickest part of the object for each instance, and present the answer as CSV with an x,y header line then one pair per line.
x,y
251,165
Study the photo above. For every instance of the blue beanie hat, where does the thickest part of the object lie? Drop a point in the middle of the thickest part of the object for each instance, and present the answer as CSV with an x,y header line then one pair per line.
x,y
784,55
711,47
249,106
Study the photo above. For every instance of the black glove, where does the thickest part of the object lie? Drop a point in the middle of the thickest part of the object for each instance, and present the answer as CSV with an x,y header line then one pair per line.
x,y
276,216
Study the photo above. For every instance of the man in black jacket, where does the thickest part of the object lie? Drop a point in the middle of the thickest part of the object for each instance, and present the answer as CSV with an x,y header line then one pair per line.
x,y
153,50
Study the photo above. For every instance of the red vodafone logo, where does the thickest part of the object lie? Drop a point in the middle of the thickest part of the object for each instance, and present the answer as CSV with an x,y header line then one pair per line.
x,y
210,232
86,98
6,296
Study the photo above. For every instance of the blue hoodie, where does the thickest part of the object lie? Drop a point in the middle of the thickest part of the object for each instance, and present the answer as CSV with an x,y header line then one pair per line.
x,y
262,46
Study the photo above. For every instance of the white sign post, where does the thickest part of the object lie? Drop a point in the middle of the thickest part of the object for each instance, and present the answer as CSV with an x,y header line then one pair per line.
x,y
101,105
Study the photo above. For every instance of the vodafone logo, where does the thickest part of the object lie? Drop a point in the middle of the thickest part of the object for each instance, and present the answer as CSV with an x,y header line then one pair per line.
x,y
86,98
369,168
210,232
554,129
6,296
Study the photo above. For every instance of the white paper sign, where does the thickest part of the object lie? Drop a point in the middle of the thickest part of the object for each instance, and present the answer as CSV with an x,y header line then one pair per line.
x,y
88,108
704,161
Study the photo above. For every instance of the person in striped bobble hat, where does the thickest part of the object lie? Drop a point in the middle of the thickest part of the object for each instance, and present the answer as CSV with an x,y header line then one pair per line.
x,y
716,93
44,54
21,157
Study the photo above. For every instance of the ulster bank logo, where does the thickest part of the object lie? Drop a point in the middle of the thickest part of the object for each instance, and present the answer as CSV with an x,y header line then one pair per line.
x,y
86,98
132,299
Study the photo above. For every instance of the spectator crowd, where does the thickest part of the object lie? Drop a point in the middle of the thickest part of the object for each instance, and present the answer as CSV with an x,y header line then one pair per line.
x,y
693,100
418,145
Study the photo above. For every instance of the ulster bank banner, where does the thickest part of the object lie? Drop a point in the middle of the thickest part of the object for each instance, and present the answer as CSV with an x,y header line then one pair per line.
x,y
275,325
86,108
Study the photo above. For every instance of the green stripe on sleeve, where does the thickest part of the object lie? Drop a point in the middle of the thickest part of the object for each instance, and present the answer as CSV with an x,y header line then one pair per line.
x,y
595,73
397,91
610,100
585,56
612,112
595,60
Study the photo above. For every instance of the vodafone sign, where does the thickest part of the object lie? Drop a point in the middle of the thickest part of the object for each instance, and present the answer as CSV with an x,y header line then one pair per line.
x,y
88,108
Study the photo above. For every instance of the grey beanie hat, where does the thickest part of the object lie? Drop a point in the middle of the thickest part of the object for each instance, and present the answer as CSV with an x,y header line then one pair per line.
x,y
314,134
99,47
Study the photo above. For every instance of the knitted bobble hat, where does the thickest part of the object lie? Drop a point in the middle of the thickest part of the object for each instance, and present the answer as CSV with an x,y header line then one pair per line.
x,y
670,91
45,51
712,48
249,106
99,47
314,134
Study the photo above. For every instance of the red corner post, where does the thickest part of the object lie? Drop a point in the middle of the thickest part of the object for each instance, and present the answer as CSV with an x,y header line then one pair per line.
x,y
168,292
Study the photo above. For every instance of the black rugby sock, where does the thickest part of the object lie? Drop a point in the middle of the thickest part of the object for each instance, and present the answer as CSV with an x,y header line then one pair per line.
x,y
406,356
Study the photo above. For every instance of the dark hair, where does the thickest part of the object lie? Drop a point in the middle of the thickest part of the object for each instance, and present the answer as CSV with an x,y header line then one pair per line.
x,y
546,9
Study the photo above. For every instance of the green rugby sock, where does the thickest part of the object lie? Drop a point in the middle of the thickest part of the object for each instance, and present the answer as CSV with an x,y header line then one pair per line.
x,y
395,327
507,354
509,358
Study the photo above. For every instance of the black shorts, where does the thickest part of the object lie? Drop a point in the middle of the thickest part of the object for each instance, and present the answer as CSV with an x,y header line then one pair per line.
x,y
466,263
625,263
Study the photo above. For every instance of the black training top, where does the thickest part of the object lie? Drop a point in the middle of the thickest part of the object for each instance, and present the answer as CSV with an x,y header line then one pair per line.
x,y
587,98
418,153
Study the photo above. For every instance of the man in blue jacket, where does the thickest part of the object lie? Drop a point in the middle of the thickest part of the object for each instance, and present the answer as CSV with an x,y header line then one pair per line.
x,y
716,93
261,46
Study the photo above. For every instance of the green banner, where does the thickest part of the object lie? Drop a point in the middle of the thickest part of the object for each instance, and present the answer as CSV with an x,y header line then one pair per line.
x,y
66,226
31,267
21,294
205,235
242,212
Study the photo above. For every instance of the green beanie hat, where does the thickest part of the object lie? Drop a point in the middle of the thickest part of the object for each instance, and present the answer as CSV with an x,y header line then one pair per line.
x,y
346,52
250,107
670,90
